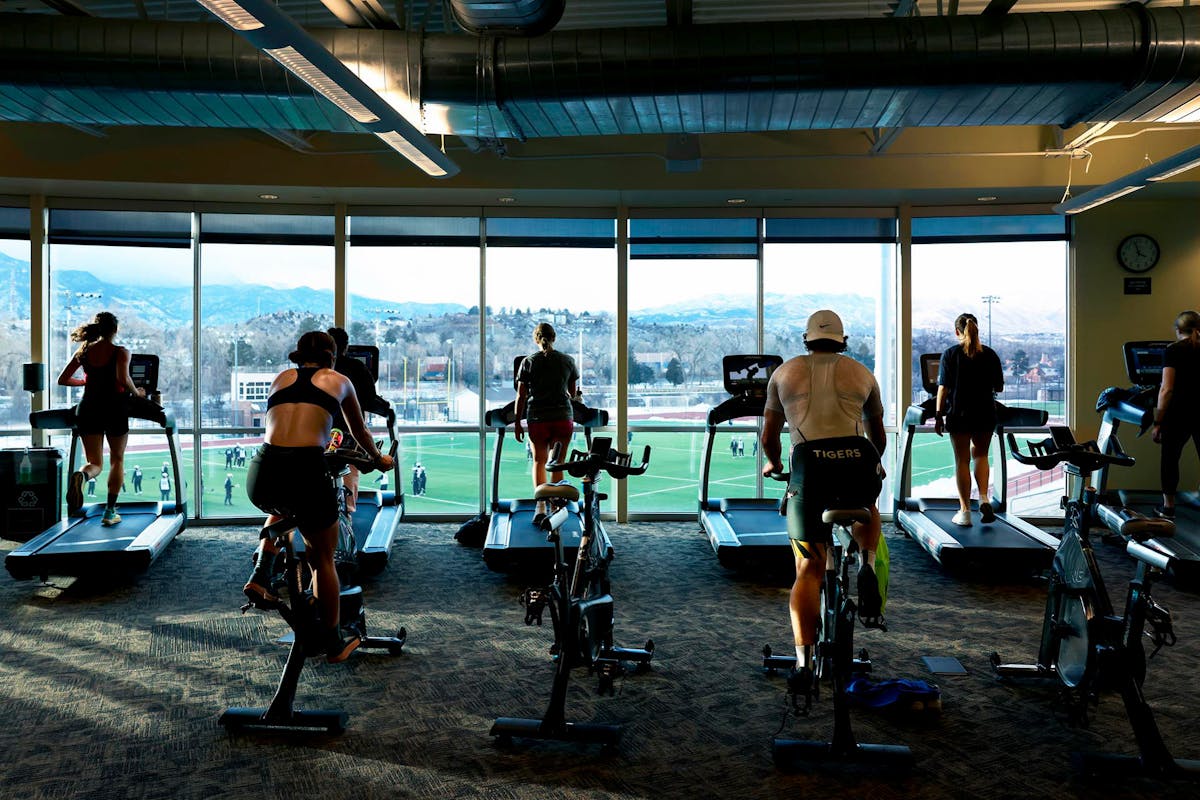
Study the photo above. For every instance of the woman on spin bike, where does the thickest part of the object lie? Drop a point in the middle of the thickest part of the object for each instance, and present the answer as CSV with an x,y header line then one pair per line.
x,y
288,475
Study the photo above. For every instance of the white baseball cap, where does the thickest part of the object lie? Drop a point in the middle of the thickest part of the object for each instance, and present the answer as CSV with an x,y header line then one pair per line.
x,y
825,324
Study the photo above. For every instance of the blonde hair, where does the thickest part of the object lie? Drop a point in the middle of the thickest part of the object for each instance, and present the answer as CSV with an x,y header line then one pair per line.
x,y
544,334
967,328
102,326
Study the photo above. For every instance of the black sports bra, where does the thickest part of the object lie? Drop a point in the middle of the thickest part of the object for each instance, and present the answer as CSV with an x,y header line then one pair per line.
x,y
303,391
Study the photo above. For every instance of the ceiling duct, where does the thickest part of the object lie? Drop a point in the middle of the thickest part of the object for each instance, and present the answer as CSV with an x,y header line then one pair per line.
x,y
1127,64
507,17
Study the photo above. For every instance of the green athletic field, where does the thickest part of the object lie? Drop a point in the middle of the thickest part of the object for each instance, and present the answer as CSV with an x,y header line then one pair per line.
x,y
451,463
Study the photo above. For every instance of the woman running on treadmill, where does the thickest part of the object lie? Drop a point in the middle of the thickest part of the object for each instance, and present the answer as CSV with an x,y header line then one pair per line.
x,y
969,376
547,381
1175,417
288,474
103,413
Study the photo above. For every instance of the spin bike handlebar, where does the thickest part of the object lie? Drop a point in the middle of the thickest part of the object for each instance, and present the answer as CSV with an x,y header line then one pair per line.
x,y
601,458
342,457
1061,447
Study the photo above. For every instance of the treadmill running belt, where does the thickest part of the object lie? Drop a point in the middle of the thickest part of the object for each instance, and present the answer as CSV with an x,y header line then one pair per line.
x,y
750,521
998,534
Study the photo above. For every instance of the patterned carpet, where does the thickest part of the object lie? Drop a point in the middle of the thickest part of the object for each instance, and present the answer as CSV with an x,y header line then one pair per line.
x,y
115,692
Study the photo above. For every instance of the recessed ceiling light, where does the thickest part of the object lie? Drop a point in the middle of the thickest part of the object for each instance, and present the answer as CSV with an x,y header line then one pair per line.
x,y
507,199
986,199
268,196
736,201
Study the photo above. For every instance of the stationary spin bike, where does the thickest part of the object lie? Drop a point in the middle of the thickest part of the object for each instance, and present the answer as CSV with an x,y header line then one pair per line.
x,y
293,578
835,659
1085,645
580,600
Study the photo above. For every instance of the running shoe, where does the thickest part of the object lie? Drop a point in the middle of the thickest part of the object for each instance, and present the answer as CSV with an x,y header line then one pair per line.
x,y
870,600
338,649
800,681
1165,513
962,518
111,517
75,492
986,514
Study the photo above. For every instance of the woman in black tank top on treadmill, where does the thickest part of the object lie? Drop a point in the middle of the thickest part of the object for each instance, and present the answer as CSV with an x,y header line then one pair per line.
x,y
288,474
103,412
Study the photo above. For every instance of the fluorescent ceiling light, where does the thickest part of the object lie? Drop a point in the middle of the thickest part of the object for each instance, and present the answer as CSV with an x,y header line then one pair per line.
x,y
404,147
262,24
308,72
232,14
1170,166
1093,198
1195,162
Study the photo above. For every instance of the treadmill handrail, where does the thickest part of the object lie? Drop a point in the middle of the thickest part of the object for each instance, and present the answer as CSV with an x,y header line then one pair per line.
x,y
741,405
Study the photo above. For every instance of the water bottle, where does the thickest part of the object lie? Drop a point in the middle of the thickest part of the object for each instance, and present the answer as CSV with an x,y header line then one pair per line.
x,y
25,470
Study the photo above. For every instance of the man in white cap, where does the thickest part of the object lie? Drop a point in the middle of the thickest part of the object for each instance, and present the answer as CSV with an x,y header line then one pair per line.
x,y
833,409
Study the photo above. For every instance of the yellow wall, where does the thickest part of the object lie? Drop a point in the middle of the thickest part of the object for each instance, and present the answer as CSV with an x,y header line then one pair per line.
x,y
1105,317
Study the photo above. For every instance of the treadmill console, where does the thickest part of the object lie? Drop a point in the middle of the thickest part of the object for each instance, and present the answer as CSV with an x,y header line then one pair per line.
x,y
1144,362
143,368
749,374
368,354
930,364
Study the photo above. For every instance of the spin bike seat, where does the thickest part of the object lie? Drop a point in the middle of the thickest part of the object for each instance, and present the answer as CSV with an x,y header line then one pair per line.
x,y
556,491
845,516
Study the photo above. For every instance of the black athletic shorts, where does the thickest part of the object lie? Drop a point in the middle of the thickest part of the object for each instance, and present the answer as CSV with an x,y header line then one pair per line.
x,y
842,472
111,418
293,481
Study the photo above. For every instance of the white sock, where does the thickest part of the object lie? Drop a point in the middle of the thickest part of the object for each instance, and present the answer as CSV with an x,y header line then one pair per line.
x,y
803,655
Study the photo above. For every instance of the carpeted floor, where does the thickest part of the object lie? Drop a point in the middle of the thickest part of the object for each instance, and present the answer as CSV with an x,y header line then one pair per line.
x,y
115,693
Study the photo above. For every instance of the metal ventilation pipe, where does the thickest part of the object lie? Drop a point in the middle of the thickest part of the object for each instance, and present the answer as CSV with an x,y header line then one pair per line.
x,y
1125,64
507,17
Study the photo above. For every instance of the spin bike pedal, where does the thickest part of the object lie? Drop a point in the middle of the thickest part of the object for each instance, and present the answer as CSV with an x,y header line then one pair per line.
x,y
1158,617
535,602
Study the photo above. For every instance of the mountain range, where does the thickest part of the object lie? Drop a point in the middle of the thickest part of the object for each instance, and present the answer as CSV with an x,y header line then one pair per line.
x,y
170,307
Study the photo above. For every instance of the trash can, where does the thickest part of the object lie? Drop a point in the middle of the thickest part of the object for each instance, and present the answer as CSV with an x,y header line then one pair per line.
x,y
30,491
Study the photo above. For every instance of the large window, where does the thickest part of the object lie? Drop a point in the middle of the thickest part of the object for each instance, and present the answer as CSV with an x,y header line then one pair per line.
x,y
1011,273
14,325
559,271
451,302
847,265
414,293
692,301
265,279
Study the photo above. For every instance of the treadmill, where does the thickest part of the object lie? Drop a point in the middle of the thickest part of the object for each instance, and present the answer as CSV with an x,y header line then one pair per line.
x,y
1009,546
743,531
1135,405
513,543
79,546
378,513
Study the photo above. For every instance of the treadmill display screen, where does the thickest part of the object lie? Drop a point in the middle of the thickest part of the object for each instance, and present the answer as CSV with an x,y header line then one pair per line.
x,y
749,374
368,355
143,368
931,363
1144,362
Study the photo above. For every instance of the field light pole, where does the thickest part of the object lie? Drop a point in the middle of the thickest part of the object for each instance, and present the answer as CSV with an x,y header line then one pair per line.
x,y
991,300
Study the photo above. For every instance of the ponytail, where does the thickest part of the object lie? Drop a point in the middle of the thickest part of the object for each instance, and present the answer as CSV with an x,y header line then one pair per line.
x,y
102,326
967,328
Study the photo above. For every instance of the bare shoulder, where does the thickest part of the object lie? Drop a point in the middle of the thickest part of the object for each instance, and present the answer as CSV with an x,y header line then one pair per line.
x,y
332,381
285,378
